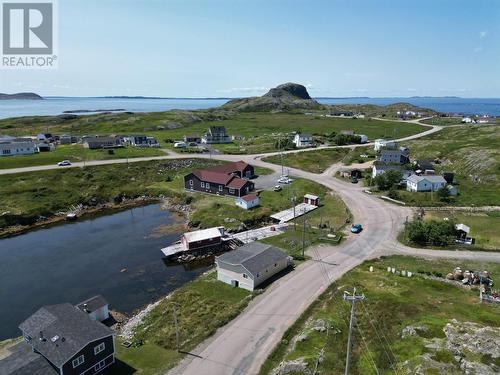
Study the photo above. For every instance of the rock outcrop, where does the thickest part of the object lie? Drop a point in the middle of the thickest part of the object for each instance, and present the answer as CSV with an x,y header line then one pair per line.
x,y
286,97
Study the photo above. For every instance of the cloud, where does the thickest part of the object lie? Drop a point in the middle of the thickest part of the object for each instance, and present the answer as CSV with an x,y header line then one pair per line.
x,y
483,34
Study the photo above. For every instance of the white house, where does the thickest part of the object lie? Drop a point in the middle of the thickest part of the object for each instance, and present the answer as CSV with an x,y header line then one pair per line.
x,y
17,147
381,143
466,120
96,307
250,265
247,201
303,140
378,169
416,183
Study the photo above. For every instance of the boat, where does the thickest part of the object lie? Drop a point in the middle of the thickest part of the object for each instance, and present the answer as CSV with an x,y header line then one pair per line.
x,y
71,216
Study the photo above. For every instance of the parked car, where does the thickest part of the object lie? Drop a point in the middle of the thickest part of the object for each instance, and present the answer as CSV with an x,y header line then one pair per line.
x,y
64,163
277,188
356,228
354,180
284,180
180,145
193,144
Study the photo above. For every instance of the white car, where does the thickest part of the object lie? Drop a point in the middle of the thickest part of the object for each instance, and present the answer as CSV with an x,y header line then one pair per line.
x,y
180,145
64,163
284,180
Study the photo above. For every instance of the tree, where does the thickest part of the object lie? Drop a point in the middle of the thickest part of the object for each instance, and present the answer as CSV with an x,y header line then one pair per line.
x,y
388,180
443,194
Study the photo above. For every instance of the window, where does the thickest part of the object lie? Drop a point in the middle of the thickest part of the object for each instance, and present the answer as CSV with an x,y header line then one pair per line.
x,y
99,348
245,276
275,264
190,182
207,185
231,191
202,184
220,187
100,365
78,361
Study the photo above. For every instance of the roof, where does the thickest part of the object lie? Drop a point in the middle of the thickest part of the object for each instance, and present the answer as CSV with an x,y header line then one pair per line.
x,y
203,234
214,177
65,331
462,227
425,164
249,197
430,178
22,360
237,183
254,256
92,304
310,196
100,139
228,168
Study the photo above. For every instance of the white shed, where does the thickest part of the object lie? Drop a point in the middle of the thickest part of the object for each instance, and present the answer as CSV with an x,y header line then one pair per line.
x,y
247,201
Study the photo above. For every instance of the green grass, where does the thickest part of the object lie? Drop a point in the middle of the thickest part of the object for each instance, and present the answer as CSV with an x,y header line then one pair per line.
x,y
443,121
26,196
202,306
393,302
311,161
468,151
484,226
75,153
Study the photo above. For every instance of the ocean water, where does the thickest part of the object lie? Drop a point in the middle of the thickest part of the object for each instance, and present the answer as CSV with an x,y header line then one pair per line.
x,y
57,105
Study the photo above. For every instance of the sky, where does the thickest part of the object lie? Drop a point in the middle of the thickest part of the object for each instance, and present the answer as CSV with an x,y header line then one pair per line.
x,y
234,48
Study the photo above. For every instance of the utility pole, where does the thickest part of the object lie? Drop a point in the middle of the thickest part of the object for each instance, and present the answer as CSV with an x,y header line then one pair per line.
x,y
352,298
303,236
176,329
294,201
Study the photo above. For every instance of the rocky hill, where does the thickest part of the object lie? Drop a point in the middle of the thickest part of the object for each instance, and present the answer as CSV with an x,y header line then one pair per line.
x,y
284,97
21,95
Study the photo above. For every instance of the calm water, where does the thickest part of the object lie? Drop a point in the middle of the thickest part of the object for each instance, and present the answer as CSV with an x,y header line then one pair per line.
x,y
56,106
72,262
471,106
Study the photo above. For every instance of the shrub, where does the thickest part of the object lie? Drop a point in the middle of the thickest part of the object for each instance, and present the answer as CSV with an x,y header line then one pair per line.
x,y
437,233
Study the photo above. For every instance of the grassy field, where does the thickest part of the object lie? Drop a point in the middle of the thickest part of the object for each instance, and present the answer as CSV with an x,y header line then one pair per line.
x,y
312,161
484,226
256,132
393,302
75,153
443,121
468,151
202,306
27,196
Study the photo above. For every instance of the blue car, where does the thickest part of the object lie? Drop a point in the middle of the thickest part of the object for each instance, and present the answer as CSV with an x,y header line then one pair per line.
x,y
356,228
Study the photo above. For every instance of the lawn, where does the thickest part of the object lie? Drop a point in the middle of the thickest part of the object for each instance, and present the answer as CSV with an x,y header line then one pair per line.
x,y
25,197
316,161
202,306
473,153
443,121
484,226
75,153
392,303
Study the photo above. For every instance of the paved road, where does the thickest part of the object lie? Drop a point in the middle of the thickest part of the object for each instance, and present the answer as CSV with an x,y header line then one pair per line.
x,y
243,345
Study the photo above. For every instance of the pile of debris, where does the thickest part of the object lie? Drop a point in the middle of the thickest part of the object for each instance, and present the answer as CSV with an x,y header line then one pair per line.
x,y
470,277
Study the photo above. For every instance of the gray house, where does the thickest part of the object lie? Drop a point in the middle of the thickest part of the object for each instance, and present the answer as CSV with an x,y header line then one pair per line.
x,y
216,134
250,265
60,339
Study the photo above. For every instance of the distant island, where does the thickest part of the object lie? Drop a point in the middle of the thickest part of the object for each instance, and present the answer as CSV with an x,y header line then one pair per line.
x,y
21,96
94,110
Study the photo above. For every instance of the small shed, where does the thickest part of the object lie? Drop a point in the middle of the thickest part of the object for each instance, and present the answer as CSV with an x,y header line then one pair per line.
x,y
97,308
448,176
311,199
202,238
247,201
462,231
452,190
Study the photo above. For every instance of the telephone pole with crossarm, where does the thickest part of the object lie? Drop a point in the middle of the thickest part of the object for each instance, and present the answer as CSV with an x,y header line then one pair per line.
x,y
351,298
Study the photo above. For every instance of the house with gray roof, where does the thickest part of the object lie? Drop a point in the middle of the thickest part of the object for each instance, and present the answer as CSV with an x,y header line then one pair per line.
x,y
61,339
416,183
250,265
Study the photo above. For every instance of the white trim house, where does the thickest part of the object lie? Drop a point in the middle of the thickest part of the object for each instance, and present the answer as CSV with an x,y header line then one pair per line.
x,y
11,148
250,265
303,140
416,183
247,201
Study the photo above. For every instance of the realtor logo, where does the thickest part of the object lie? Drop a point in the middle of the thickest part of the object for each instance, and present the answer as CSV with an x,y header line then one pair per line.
x,y
28,34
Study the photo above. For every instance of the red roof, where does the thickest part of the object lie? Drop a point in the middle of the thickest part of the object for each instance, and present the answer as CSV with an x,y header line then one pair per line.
x,y
237,166
249,197
237,183
213,177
